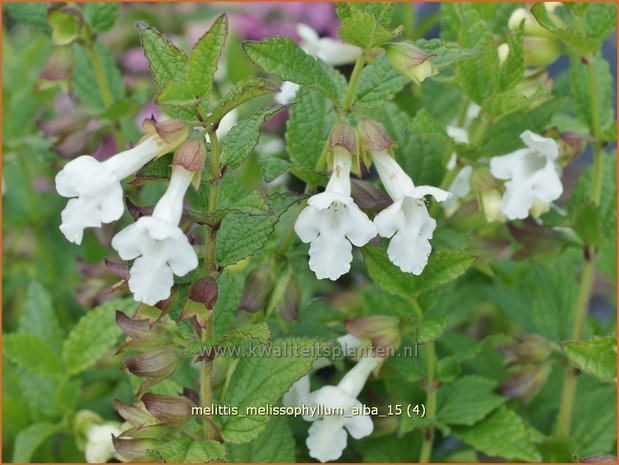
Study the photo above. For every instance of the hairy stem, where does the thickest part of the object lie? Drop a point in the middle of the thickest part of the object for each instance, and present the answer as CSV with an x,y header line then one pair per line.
x,y
428,434
206,373
352,84
568,394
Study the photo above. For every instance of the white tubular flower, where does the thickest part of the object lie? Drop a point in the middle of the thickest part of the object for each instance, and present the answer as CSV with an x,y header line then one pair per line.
x,y
328,435
99,447
407,221
94,187
332,222
532,173
331,51
157,243
460,186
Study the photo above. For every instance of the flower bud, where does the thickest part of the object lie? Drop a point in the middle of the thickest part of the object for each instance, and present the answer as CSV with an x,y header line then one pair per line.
x,y
141,333
502,51
172,132
82,422
374,136
170,410
383,331
256,290
573,144
539,208
58,66
137,417
204,291
528,348
344,134
191,155
155,363
489,198
288,306
66,23
533,80
531,26
526,382
540,51
410,61
134,450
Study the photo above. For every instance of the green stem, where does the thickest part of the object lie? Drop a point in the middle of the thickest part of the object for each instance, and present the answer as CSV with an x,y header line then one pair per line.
x,y
428,434
104,86
464,106
409,20
352,85
568,394
206,373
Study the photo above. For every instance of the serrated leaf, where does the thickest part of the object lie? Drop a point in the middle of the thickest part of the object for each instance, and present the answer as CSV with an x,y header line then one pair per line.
x,y
362,29
273,166
101,16
274,445
65,26
489,436
575,39
254,204
581,92
253,334
240,142
512,70
308,127
166,61
378,83
382,11
243,91
93,336
595,429
37,316
596,356
430,329
84,77
230,289
467,400
260,380
600,20
243,235
443,266
177,94
31,352
504,103
30,13
29,440
203,60
444,54
184,450
283,58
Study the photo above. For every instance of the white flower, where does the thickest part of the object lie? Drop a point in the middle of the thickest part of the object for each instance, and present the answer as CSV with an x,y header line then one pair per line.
x,y
227,123
331,51
159,246
94,187
298,393
99,446
407,221
532,173
460,186
327,436
332,222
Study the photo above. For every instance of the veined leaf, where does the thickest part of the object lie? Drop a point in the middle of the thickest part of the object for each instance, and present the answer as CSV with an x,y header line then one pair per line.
x,y
596,356
378,83
101,15
362,29
243,91
166,61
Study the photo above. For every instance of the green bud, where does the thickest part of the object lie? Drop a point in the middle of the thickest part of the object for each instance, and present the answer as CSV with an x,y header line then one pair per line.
x,y
170,410
256,290
528,348
191,155
410,61
66,23
134,450
540,51
526,382
383,331
374,135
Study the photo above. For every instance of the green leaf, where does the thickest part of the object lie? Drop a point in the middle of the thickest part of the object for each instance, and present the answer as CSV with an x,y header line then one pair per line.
x,y
274,445
362,29
30,439
254,334
382,11
240,142
282,57
261,379
378,83
166,61
184,450
582,45
203,60
243,91
600,20
490,436
443,266
430,329
273,166
582,88
586,222
595,429
31,352
444,54
30,13
242,235
101,16
467,400
85,78
93,336
230,289
504,135
37,316
65,25
596,356
308,127
512,70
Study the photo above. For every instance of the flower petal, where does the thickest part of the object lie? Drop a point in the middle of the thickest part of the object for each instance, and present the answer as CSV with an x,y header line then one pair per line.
x,y
308,223
360,230
327,439
359,426
298,393
80,213
111,206
547,183
543,145
389,220
181,256
504,167
330,256
72,175
150,280
517,200
439,194
129,242
409,252
326,198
